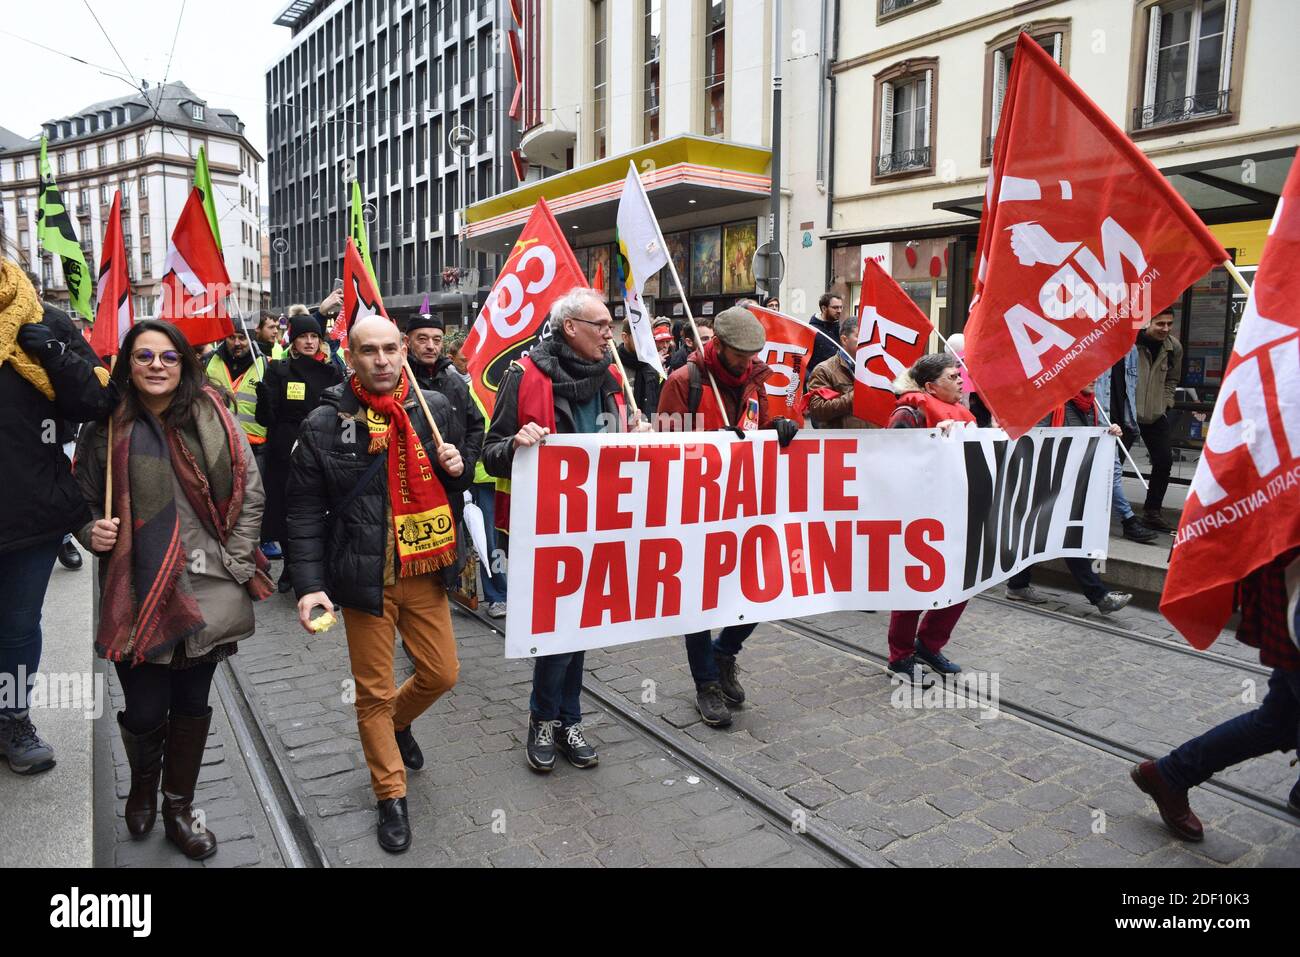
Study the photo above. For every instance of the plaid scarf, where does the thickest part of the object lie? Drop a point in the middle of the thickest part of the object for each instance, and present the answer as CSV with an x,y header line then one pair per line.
x,y
149,604
422,522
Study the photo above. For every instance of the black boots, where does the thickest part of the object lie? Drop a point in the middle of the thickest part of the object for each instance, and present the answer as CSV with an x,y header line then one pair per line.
x,y
394,825
412,756
186,739
144,752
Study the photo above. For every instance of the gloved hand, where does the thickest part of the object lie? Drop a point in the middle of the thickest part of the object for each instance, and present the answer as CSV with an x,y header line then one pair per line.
x,y
735,430
786,430
39,340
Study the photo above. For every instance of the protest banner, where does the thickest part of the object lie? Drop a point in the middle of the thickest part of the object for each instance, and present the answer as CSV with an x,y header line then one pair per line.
x,y
617,538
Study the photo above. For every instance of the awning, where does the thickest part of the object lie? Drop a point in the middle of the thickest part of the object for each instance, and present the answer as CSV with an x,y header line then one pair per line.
x,y
1227,190
683,176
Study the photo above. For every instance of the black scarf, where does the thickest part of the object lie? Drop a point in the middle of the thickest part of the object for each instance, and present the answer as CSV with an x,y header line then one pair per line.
x,y
572,376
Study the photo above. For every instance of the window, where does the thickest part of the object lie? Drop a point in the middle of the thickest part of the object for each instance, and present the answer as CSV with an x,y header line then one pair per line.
x,y
121,151
146,264
144,186
18,169
196,111
144,226
47,272
83,202
890,8
125,187
102,154
904,119
139,144
653,22
1050,36
22,206
103,193
81,159
600,99
715,67
1188,65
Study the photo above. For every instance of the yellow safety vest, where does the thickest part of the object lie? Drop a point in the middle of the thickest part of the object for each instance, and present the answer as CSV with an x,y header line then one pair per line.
x,y
245,392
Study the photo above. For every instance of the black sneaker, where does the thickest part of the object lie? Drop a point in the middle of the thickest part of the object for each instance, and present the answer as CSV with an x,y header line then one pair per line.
x,y
1156,520
937,661
909,669
570,743
394,830
412,756
1135,531
712,705
1113,601
541,744
727,680
69,557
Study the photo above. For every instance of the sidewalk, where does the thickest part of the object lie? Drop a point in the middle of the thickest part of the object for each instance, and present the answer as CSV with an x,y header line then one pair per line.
x,y
45,820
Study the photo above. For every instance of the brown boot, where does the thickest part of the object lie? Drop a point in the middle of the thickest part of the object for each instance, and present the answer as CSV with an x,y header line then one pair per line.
x,y
1172,805
186,738
144,752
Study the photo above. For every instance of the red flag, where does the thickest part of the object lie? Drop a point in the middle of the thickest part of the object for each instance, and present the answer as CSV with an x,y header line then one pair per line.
x,y
892,334
1246,490
540,268
195,284
114,314
788,349
598,280
360,297
1081,240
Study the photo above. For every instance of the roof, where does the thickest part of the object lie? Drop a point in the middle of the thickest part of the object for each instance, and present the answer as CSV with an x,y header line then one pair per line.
x,y
9,140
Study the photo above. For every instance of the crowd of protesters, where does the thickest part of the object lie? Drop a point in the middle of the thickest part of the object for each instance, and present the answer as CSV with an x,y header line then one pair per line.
x,y
194,471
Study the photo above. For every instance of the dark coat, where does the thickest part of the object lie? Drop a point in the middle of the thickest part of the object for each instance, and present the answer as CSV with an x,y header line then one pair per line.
x,y
824,346
345,555
291,388
646,384
41,500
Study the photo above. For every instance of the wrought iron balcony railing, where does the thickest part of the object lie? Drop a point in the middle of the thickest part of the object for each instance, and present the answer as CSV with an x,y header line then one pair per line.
x,y
1180,110
903,161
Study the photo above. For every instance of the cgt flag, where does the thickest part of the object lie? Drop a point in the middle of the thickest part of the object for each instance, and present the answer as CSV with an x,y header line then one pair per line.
x,y
1247,484
360,295
1081,241
56,235
540,269
195,283
640,255
114,315
787,351
892,334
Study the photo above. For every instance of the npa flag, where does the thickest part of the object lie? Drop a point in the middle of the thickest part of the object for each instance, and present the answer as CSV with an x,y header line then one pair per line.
x,y
787,351
360,295
1081,241
639,255
1244,507
114,315
892,334
357,233
195,283
203,183
540,269
54,230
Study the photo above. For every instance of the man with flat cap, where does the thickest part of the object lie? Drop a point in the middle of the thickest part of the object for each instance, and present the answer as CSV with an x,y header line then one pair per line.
x,y
729,359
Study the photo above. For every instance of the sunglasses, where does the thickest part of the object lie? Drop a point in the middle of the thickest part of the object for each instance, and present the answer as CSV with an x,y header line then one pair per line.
x,y
145,357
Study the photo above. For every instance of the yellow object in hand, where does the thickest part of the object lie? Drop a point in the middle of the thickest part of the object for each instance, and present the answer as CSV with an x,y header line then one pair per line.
x,y
324,623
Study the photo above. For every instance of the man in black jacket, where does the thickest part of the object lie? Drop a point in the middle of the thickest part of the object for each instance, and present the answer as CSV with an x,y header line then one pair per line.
x,y
369,526
47,376
827,322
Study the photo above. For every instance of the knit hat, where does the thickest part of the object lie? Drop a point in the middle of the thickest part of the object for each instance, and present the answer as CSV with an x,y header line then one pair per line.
x,y
301,325
425,320
740,329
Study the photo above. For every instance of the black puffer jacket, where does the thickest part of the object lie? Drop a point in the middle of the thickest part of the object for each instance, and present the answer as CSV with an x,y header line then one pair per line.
x,y
41,500
443,378
345,555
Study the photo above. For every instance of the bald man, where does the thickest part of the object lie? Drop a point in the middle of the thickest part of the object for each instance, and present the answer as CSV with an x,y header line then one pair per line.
x,y
371,527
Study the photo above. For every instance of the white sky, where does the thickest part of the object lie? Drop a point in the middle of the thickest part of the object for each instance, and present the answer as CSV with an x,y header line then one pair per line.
x,y
222,52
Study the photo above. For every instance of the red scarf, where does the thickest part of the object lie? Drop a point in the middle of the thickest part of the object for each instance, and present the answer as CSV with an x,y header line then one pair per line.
x,y
713,362
1084,402
935,409
422,522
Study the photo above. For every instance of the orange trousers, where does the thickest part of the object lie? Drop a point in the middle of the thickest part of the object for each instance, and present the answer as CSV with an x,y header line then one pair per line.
x,y
417,608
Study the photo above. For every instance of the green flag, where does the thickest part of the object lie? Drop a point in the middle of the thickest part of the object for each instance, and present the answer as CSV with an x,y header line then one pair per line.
x,y
203,183
56,235
359,232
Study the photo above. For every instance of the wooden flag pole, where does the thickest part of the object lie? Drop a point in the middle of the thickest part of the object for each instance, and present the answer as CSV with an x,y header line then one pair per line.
x,y
1229,265
627,384
677,281
419,397
108,465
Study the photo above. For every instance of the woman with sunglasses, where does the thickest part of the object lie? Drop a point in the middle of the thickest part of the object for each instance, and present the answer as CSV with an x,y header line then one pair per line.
x,y
180,564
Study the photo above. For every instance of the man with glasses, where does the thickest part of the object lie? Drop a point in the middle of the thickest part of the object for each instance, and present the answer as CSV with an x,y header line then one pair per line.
x,y
565,385
235,368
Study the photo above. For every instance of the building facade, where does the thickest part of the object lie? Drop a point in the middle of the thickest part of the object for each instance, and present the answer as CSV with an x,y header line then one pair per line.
x,y
917,87
380,90
144,145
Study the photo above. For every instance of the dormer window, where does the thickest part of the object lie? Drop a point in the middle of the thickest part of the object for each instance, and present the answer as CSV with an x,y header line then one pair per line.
x,y
196,111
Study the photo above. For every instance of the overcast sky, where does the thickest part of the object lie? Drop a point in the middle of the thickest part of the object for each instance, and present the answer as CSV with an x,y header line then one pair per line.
x,y
222,51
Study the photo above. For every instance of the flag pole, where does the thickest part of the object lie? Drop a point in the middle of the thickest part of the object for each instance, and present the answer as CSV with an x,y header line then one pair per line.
x,y
419,397
1229,265
1127,454
108,469
627,384
681,292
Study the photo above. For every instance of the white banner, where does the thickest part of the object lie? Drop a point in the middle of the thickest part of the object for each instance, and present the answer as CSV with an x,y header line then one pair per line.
x,y
618,538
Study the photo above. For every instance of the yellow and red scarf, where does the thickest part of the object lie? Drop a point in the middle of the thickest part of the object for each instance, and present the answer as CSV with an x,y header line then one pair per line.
x,y
423,526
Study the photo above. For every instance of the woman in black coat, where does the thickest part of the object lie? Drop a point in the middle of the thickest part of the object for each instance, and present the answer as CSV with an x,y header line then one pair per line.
x,y
290,389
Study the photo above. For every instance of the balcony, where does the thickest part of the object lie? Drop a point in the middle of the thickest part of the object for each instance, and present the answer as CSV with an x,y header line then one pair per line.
x,y
905,161
126,203
83,211
1199,107
890,7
